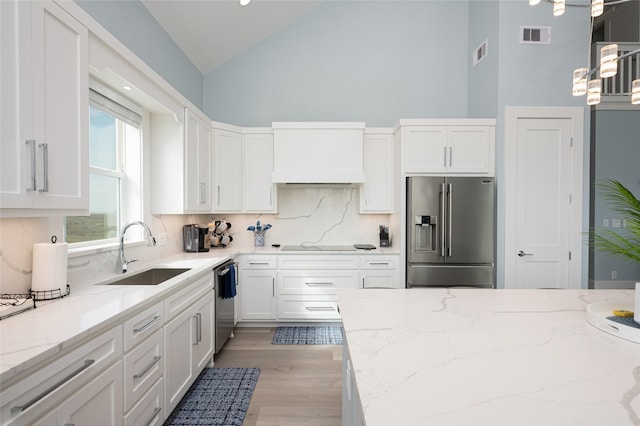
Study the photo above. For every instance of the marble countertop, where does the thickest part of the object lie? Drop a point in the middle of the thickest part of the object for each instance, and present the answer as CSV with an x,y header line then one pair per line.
x,y
489,357
31,337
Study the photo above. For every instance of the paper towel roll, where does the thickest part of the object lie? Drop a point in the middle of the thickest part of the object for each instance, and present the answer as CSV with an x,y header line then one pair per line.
x,y
636,310
49,267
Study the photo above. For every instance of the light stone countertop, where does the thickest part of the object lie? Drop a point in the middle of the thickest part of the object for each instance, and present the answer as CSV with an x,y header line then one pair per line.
x,y
489,357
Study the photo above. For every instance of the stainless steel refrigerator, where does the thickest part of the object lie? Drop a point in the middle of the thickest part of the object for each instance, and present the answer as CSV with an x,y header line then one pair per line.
x,y
451,228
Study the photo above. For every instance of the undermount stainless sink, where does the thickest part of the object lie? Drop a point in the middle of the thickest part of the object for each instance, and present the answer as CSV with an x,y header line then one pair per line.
x,y
152,276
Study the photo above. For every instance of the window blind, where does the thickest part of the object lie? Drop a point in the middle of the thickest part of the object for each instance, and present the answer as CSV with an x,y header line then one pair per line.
x,y
117,110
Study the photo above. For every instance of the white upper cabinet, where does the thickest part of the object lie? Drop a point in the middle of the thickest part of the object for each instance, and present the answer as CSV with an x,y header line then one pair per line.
x,y
197,135
227,169
258,191
456,147
376,193
317,152
44,153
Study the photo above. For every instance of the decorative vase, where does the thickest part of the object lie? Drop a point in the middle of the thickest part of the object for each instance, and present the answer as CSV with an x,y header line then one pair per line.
x,y
259,240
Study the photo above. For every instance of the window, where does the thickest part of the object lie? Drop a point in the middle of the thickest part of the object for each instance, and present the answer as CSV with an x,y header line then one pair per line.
x,y
115,158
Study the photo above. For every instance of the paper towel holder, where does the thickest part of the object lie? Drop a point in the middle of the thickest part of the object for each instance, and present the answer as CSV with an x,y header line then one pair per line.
x,y
50,294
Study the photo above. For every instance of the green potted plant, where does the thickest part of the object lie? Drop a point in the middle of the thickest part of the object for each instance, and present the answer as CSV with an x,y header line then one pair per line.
x,y
627,206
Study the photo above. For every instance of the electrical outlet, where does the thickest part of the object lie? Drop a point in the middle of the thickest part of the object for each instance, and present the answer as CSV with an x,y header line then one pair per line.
x,y
161,239
624,223
614,275
616,223
605,223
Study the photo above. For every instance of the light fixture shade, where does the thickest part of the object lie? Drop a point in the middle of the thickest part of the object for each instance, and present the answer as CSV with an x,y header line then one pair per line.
x,y
594,88
558,7
580,81
244,2
608,60
597,7
533,2
635,92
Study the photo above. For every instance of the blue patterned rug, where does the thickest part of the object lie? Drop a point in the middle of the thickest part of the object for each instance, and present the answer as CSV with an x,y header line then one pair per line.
x,y
219,396
308,336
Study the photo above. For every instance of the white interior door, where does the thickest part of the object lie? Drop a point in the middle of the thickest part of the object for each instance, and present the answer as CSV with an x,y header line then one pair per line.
x,y
543,202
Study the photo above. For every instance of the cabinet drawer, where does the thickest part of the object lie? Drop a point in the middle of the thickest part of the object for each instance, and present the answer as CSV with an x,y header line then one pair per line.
x,y
41,390
142,368
382,278
142,325
150,409
315,282
308,308
258,262
379,262
318,262
187,296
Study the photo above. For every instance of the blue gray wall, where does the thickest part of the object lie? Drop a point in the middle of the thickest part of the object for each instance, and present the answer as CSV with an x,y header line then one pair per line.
x,y
132,24
372,61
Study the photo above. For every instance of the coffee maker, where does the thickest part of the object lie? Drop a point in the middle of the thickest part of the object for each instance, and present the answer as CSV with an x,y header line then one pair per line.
x,y
195,238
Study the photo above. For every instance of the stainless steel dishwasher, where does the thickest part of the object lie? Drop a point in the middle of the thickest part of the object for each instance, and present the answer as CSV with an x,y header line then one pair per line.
x,y
225,303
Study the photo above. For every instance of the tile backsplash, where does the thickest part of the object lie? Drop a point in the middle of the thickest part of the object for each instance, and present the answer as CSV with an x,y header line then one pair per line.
x,y
313,215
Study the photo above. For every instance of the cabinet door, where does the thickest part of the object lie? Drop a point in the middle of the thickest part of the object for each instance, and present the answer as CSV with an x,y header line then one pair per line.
x,y
98,403
376,194
45,104
198,163
424,149
470,149
204,336
179,340
258,295
380,279
258,190
60,108
227,171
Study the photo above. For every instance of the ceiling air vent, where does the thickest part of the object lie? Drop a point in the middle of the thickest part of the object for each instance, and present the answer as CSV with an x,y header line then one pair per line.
x,y
480,53
535,35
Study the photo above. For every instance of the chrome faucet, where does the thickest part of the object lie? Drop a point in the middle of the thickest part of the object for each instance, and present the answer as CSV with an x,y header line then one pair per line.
x,y
122,262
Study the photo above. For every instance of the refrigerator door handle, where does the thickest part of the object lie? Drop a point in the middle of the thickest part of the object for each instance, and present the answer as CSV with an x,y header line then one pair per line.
x,y
449,219
443,223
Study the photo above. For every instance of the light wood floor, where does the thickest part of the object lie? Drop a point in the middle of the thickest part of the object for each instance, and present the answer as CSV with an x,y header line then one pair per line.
x,y
298,385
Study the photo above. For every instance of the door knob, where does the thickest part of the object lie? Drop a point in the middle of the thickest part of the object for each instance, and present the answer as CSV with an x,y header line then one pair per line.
x,y
521,253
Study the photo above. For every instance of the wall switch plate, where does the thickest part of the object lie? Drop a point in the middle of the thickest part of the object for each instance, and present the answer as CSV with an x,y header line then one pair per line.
x,y
614,275
605,223
161,239
616,223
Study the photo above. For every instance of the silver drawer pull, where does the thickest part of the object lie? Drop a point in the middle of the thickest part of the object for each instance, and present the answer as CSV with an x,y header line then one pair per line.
x,y
147,325
258,263
319,308
318,284
154,362
378,263
20,408
155,414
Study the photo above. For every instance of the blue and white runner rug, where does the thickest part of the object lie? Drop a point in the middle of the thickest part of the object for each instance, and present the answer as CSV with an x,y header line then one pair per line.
x,y
321,335
219,396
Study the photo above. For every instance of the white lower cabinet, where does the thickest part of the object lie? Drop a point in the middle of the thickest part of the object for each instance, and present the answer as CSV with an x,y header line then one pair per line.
x,y
380,271
258,295
351,405
98,403
188,348
143,367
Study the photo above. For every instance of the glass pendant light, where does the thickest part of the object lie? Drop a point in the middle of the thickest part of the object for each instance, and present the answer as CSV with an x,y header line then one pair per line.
x,y
244,2
594,88
558,7
608,60
580,81
533,2
597,7
635,92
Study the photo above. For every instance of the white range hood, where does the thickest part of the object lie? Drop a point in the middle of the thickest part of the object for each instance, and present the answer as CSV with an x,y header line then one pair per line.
x,y
318,153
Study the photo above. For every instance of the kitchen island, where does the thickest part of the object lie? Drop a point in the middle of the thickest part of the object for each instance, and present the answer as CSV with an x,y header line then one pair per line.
x,y
485,357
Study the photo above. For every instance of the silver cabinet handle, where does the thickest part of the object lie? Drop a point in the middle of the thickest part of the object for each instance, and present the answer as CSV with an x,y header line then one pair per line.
x,y
444,157
153,416
318,284
521,254
450,219
258,263
148,367
442,225
195,341
20,408
33,164
273,287
203,192
45,166
319,308
378,263
218,189
199,317
450,156
147,325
